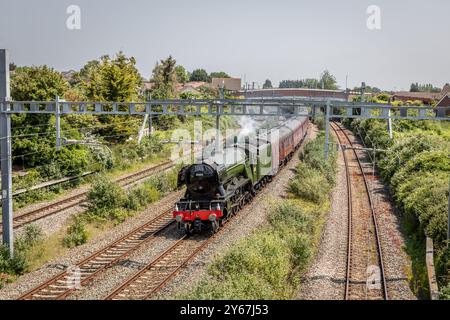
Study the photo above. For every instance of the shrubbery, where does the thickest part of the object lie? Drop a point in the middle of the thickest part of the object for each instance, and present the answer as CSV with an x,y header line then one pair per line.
x,y
18,264
315,176
108,202
269,263
417,168
105,194
76,234
266,265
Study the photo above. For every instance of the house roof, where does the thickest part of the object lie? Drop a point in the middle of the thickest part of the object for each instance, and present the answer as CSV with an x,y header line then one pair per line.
x,y
147,85
446,89
418,95
444,102
196,84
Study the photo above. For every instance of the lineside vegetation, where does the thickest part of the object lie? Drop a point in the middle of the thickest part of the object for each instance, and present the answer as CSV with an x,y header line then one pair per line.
x,y
268,264
416,167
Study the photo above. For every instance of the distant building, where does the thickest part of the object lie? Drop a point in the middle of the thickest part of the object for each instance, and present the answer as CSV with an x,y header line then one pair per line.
x,y
425,97
443,103
446,89
296,93
191,87
232,84
428,98
69,75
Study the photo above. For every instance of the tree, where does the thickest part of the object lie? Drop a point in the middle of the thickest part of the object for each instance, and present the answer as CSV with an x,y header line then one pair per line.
x,y
12,66
311,83
38,142
219,74
182,75
414,87
200,75
328,81
112,79
37,83
164,78
267,84
291,84
85,72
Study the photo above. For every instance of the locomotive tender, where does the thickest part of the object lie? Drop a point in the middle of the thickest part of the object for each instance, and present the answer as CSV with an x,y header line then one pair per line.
x,y
220,185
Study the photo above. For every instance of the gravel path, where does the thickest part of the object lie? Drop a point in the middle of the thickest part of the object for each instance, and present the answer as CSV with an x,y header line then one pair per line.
x,y
324,280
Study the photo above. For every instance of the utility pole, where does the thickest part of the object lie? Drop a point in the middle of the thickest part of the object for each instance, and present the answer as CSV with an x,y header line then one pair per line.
x,y
219,106
150,118
141,131
5,153
327,128
58,124
363,91
389,125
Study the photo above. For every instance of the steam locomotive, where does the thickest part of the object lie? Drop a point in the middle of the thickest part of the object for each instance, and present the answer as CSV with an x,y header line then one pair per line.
x,y
221,184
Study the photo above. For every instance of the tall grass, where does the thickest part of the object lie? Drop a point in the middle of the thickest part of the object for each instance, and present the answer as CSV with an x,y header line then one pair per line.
x,y
267,264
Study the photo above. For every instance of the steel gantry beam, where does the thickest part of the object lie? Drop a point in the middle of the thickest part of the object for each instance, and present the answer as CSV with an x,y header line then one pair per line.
x,y
231,107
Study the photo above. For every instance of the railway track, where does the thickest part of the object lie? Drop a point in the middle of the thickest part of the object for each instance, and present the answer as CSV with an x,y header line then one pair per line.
x,y
365,276
163,268
80,198
63,284
156,274
147,281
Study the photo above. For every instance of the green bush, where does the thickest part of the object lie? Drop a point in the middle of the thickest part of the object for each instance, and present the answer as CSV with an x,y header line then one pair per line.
x,y
31,236
445,293
266,265
105,194
417,168
18,264
314,156
315,175
76,234
309,184
140,196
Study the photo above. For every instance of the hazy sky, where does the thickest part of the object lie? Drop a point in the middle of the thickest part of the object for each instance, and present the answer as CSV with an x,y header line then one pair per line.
x,y
284,39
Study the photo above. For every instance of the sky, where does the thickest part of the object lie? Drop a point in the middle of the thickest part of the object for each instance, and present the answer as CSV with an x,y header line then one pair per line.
x,y
251,39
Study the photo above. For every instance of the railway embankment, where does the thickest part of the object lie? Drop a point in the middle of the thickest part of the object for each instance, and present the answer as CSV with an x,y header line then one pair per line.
x,y
361,255
104,206
269,261
415,167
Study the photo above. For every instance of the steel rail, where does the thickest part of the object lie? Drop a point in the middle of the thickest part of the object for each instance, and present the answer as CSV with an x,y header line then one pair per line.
x,y
152,266
349,214
102,259
67,203
373,215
